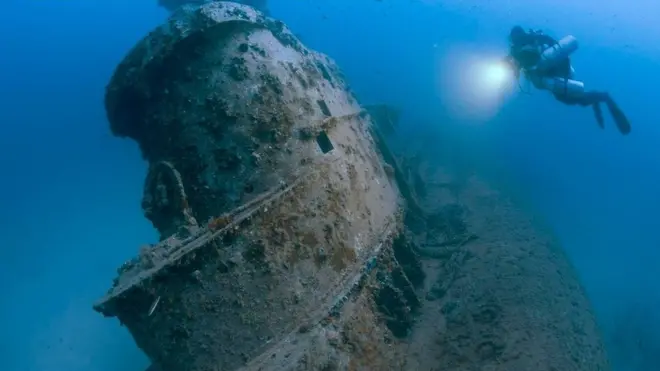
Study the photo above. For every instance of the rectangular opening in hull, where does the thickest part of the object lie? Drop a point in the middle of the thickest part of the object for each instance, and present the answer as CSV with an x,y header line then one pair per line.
x,y
324,108
324,142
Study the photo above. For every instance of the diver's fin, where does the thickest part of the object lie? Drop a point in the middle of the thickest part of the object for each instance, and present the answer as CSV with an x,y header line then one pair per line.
x,y
598,112
619,117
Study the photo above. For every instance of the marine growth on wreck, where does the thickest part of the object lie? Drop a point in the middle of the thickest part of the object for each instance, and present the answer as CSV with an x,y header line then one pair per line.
x,y
271,200
292,238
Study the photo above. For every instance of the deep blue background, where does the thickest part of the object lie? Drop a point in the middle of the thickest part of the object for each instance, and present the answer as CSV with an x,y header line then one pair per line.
x,y
71,192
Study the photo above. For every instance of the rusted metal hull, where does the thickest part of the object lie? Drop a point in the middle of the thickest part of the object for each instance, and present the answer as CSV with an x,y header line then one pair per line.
x,y
271,199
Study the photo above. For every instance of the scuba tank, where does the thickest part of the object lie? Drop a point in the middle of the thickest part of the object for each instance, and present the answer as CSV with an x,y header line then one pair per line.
x,y
557,52
562,86
549,58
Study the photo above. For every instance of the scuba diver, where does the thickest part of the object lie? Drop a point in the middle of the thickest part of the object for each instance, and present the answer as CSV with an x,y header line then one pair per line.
x,y
545,62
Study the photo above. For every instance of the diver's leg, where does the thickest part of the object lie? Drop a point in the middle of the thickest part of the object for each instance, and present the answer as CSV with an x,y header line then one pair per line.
x,y
599,115
593,98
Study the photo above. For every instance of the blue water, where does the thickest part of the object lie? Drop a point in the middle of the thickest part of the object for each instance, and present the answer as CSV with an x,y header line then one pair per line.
x,y
71,192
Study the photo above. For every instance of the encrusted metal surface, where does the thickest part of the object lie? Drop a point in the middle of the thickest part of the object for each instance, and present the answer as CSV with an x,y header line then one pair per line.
x,y
267,189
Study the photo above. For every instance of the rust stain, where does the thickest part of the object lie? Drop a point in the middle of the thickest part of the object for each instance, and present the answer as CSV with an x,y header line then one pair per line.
x,y
341,257
218,223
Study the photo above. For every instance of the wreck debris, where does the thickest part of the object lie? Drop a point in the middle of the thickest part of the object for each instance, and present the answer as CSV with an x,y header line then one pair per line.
x,y
165,202
254,140
502,294
153,307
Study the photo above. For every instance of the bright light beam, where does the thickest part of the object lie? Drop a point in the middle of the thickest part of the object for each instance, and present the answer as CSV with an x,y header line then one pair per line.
x,y
495,76
474,83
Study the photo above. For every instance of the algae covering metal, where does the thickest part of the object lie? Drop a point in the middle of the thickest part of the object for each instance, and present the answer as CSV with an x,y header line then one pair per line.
x,y
283,244
277,219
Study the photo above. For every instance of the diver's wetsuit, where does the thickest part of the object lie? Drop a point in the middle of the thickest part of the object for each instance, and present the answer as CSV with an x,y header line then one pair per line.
x,y
524,54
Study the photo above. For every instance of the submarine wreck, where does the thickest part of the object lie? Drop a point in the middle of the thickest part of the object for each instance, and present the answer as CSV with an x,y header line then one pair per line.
x,y
276,215
292,238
